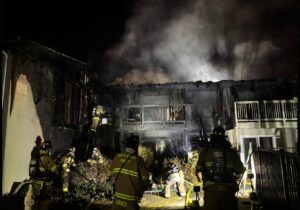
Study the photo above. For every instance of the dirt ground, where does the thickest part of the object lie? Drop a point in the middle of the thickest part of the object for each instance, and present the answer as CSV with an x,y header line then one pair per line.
x,y
158,202
149,202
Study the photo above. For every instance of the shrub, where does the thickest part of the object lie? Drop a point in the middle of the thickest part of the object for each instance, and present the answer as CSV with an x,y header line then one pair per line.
x,y
90,182
147,154
188,167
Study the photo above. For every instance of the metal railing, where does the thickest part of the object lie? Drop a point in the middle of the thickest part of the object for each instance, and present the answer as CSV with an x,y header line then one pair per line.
x,y
277,179
276,110
154,113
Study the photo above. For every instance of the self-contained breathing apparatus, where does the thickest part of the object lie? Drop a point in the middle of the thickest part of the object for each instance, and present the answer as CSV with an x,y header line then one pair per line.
x,y
219,170
34,161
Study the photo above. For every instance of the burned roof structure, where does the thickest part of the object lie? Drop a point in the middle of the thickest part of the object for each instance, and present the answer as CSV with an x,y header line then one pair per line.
x,y
36,51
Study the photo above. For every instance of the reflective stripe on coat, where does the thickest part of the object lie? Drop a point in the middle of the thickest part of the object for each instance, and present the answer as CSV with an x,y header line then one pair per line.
x,y
131,178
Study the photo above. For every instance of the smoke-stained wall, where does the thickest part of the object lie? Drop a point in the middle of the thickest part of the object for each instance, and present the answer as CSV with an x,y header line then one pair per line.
x,y
32,104
145,109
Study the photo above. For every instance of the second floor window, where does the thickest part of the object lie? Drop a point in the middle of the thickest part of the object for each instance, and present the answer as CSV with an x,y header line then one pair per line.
x,y
131,114
176,113
155,114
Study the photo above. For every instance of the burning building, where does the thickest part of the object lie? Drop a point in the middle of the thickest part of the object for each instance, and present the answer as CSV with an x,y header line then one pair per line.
x,y
47,93
172,118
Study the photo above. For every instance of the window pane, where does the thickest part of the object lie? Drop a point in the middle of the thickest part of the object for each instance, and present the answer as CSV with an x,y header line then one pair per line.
x,y
154,113
176,113
265,142
132,114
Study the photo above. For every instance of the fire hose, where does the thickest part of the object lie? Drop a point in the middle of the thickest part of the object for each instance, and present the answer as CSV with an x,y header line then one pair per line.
x,y
189,203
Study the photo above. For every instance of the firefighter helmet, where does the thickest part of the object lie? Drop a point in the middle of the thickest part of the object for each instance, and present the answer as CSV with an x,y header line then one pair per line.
x,y
173,168
38,141
71,151
219,131
218,136
172,165
132,141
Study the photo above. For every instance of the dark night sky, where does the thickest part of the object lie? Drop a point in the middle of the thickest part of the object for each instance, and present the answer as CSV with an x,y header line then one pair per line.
x,y
77,28
164,40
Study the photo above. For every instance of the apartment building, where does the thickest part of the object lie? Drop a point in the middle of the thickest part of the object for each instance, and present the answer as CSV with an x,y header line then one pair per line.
x,y
172,118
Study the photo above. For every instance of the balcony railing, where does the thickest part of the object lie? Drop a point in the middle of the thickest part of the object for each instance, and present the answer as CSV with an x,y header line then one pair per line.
x,y
258,111
154,114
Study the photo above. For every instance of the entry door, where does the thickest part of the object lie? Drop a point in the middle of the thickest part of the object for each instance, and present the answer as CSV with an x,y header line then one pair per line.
x,y
246,145
263,142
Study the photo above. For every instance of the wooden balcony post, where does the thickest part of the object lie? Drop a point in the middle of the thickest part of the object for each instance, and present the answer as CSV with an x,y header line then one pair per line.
x,y
235,114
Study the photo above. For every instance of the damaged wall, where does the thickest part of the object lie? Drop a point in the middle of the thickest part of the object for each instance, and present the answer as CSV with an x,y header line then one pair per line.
x,y
38,102
147,109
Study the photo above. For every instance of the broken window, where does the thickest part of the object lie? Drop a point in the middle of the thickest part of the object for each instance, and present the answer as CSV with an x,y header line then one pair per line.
x,y
175,113
154,114
175,110
131,114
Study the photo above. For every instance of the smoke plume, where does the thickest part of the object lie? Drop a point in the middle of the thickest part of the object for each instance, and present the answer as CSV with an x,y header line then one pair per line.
x,y
208,40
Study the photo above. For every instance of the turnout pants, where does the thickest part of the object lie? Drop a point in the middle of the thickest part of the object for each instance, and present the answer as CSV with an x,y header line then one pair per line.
x,y
38,195
180,186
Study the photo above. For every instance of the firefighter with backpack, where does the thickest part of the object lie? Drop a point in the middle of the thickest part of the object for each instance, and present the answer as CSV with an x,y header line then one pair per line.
x,y
219,167
97,112
96,157
130,175
41,188
66,162
175,177
33,165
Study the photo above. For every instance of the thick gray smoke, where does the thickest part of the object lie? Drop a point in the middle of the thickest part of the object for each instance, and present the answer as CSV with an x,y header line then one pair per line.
x,y
206,40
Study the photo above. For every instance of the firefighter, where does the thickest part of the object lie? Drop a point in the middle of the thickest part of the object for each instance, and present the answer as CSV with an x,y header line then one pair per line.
x,y
67,161
219,167
175,177
35,153
39,192
131,176
96,157
97,112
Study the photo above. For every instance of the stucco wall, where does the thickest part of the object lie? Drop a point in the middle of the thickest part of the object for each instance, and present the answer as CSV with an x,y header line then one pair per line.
x,y
29,110
23,126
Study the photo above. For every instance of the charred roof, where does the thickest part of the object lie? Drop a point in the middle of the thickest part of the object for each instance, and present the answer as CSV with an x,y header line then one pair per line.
x,y
40,52
262,89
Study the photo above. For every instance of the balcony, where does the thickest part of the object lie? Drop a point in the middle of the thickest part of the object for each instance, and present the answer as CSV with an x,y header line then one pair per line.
x,y
154,114
276,113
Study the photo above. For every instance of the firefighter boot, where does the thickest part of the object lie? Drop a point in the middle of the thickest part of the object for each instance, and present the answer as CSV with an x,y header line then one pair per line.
x,y
167,191
181,189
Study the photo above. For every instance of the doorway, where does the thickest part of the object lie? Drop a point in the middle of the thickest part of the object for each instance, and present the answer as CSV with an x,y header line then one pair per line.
x,y
254,142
